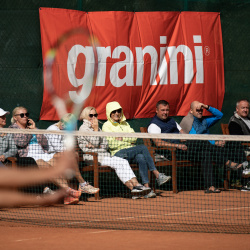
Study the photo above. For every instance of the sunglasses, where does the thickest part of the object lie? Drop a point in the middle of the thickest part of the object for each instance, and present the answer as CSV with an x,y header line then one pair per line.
x,y
23,114
118,111
93,115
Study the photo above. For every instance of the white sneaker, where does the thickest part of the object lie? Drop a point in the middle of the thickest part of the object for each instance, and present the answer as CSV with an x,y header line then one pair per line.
x,y
141,190
88,189
47,190
163,179
136,197
246,188
152,194
246,171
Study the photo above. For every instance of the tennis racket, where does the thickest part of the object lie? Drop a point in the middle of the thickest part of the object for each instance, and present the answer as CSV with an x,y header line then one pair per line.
x,y
70,70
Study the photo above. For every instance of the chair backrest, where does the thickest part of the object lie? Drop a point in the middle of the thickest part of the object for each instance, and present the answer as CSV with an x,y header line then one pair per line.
x,y
146,141
224,128
143,129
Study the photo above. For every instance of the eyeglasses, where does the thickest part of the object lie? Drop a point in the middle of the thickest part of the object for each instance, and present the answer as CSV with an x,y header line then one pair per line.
x,y
91,115
117,110
23,114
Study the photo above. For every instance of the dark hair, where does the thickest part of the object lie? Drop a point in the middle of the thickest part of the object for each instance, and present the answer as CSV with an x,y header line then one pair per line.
x,y
162,102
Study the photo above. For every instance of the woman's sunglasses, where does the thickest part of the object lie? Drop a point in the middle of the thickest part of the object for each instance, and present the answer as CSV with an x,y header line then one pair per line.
x,y
23,114
117,110
91,115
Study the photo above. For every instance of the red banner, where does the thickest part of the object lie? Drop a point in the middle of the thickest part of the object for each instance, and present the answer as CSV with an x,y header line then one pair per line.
x,y
143,57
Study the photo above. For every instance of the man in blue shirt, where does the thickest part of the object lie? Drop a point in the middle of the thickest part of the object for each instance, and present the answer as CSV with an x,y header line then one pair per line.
x,y
219,151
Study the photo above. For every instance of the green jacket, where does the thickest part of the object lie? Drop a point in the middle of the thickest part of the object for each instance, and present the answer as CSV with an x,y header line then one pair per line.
x,y
122,126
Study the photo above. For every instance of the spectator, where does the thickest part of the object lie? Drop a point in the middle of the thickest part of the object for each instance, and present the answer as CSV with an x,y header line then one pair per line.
x,y
7,144
100,145
221,152
162,123
56,145
125,147
239,124
36,146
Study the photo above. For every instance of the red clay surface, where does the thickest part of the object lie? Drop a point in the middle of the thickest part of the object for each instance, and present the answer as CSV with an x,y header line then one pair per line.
x,y
187,211
95,225
25,238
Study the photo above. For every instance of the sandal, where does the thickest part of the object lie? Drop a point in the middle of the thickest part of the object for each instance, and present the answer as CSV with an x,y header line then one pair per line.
x,y
209,191
235,167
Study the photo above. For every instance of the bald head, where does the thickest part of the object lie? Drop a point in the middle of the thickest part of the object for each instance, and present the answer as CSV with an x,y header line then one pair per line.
x,y
196,109
194,104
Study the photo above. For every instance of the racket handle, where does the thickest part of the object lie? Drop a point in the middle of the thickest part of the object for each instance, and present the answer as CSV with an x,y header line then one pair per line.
x,y
69,142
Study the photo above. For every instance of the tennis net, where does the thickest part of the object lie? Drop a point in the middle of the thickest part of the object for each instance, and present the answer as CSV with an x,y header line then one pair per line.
x,y
206,192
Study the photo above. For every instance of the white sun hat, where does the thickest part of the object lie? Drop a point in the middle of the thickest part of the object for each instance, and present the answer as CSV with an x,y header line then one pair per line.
x,y
2,112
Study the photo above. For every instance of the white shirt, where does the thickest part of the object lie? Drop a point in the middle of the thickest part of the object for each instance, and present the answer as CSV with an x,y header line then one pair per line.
x,y
154,129
55,141
247,121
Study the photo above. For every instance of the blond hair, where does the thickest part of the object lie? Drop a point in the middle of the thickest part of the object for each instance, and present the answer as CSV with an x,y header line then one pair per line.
x,y
14,112
85,113
65,119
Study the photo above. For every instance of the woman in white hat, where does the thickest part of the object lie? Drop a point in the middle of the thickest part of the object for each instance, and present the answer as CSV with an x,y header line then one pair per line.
x,y
7,144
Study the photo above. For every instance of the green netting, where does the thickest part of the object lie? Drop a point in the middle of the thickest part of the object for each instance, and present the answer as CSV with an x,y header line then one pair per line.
x,y
182,203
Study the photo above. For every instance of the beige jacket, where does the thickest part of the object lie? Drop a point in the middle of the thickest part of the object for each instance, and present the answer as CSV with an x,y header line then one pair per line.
x,y
99,143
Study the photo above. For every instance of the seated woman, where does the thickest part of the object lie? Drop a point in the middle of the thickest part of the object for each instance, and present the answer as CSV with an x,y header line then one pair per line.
x,y
36,146
100,145
56,145
124,147
7,144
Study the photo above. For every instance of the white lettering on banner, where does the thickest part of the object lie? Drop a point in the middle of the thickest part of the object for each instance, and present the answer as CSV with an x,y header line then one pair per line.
x,y
128,63
168,56
87,79
140,61
102,54
199,60
188,59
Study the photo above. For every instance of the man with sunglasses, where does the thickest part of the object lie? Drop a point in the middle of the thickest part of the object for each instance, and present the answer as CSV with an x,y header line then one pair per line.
x,y
195,123
125,147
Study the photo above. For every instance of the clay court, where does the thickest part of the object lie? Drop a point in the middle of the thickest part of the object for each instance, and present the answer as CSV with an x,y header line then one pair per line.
x,y
188,219
28,237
